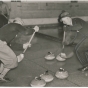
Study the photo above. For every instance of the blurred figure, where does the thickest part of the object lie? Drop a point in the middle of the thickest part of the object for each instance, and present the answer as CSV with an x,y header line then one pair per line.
x,y
3,20
4,9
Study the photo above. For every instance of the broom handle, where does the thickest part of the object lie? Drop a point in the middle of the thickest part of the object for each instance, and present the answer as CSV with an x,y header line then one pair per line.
x,y
30,41
6,18
63,40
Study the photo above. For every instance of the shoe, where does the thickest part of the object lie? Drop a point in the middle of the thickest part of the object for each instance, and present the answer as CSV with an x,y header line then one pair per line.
x,y
83,68
6,80
72,44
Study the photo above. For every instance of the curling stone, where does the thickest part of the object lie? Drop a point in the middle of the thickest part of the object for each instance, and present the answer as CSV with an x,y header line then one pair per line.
x,y
47,77
50,56
61,57
38,82
61,74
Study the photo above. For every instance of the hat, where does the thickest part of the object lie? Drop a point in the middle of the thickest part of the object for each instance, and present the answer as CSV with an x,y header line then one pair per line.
x,y
64,14
18,20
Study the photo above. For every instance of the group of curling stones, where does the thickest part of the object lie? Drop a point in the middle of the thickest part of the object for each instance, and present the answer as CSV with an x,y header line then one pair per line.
x,y
60,57
45,78
41,81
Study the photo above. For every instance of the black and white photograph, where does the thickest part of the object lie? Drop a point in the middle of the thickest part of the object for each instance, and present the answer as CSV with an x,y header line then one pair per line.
x,y
43,43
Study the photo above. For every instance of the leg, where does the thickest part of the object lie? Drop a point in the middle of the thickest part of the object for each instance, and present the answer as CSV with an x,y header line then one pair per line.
x,y
8,58
81,49
4,72
60,33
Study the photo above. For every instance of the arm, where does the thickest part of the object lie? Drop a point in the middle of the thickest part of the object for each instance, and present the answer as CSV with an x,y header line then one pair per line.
x,y
24,31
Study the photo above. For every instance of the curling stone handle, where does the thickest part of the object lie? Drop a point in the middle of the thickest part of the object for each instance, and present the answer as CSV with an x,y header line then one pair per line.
x,y
46,72
38,78
61,69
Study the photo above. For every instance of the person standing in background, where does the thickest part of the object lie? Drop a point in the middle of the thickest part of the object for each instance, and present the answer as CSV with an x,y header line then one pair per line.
x,y
4,9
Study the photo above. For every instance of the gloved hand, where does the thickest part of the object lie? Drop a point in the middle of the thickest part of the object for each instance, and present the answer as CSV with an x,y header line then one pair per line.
x,y
26,45
36,28
20,57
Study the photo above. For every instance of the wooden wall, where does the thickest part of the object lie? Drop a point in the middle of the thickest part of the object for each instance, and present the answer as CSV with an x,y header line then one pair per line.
x,y
27,10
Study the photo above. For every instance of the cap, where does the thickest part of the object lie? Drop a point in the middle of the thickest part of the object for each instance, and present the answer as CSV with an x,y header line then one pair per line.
x,y
18,20
64,14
